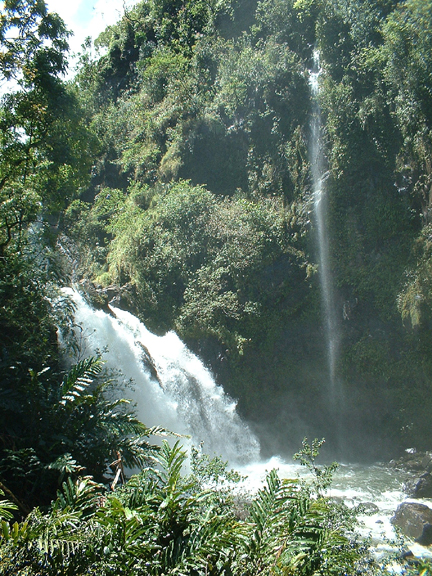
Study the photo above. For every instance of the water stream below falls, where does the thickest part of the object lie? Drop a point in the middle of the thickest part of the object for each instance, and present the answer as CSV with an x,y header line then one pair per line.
x,y
378,487
172,388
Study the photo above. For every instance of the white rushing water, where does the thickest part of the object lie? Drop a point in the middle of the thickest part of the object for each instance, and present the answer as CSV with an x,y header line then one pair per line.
x,y
178,393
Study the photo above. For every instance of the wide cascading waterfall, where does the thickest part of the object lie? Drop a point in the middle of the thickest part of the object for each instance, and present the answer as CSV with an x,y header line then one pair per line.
x,y
319,175
171,386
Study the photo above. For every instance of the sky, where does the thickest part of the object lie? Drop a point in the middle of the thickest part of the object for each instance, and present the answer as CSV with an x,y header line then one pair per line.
x,y
82,17
87,17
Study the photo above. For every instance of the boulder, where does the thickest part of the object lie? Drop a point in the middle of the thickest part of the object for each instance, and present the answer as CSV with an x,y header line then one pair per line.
x,y
427,461
420,465
121,297
420,486
368,508
415,521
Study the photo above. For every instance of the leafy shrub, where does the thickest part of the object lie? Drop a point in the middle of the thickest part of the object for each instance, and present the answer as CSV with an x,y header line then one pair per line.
x,y
164,523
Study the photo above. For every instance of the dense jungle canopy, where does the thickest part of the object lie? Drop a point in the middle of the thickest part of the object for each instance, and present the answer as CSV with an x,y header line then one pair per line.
x,y
177,162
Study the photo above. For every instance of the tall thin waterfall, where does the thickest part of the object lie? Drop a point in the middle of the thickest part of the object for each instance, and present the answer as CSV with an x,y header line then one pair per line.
x,y
171,386
319,175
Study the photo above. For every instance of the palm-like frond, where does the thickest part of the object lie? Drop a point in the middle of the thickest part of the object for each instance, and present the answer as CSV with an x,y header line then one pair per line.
x,y
80,495
65,464
289,530
62,539
212,543
300,551
53,537
126,433
162,523
171,460
268,514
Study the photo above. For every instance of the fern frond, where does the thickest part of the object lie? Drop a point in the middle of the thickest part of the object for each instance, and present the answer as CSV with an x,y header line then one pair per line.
x,y
78,379
5,508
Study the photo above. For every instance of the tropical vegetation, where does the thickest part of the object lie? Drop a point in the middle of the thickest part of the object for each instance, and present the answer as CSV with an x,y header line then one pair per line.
x,y
162,522
176,162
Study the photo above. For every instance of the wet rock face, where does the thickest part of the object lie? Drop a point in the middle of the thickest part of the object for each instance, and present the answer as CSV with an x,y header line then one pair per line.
x,y
149,363
100,297
414,461
415,521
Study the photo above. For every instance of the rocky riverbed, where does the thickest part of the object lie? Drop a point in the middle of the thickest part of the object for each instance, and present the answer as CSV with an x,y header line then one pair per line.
x,y
414,518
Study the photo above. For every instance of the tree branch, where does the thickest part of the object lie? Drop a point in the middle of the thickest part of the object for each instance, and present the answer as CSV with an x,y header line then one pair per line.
x,y
26,511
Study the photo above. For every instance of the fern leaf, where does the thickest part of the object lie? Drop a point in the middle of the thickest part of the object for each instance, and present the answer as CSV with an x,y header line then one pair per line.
x,y
78,380
5,508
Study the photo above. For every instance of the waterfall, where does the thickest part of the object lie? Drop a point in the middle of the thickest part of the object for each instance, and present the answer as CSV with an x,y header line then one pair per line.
x,y
171,386
319,175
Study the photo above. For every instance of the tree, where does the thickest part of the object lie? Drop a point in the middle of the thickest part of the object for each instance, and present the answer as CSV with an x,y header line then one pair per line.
x,y
33,41
46,150
55,430
46,147
408,73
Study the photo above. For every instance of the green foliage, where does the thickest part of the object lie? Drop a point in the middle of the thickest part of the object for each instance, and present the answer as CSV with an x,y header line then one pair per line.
x,y
29,355
193,119
229,113
78,425
322,476
415,300
161,522
34,42
45,157
228,103
45,143
192,258
148,28
289,22
211,472
407,48
98,423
